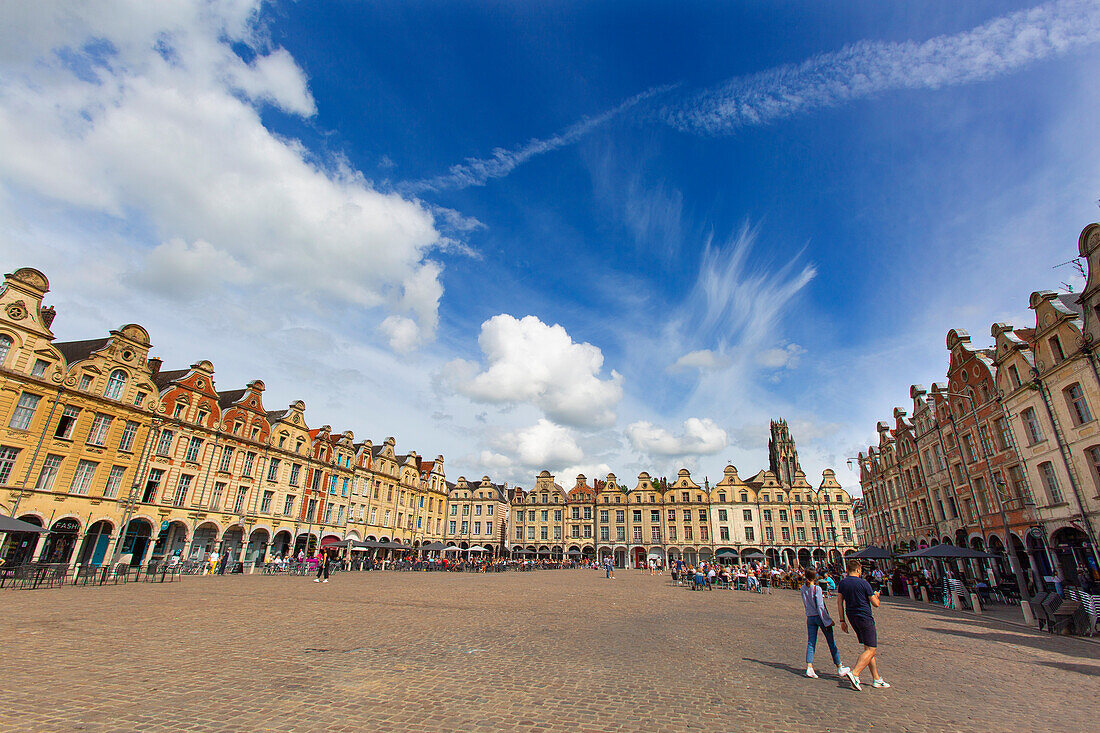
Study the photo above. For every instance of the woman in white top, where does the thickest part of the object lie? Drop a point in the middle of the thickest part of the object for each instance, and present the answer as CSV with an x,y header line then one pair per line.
x,y
817,617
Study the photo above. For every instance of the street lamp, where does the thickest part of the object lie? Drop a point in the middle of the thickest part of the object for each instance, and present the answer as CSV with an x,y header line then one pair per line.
x,y
1013,561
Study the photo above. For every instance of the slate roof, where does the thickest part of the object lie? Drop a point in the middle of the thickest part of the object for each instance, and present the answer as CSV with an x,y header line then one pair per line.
x,y
75,351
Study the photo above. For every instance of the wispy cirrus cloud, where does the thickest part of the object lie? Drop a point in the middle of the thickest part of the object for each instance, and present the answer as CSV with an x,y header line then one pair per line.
x,y
1000,46
1004,44
478,171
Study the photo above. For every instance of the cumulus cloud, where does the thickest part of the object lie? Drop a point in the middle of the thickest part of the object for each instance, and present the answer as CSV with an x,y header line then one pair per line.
x,y
402,334
145,113
530,362
543,445
704,360
700,437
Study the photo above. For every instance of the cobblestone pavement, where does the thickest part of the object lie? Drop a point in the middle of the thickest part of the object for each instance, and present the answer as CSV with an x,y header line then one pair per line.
x,y
544,651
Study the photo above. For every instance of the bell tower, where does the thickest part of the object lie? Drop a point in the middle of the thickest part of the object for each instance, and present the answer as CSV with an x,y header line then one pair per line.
x,y
782,454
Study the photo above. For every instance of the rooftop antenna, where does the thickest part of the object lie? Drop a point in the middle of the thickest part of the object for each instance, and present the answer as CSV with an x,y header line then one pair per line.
x,y
1077,265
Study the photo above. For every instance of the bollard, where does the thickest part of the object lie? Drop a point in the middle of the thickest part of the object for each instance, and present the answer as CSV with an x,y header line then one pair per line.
x,y
1029,617
924,594
975,603
912,593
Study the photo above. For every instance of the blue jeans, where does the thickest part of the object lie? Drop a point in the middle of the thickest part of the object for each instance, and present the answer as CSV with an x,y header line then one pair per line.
x,y
813,623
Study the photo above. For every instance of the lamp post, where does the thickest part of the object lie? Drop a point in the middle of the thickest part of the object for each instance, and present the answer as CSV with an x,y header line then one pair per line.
x,y
885,504
1013,561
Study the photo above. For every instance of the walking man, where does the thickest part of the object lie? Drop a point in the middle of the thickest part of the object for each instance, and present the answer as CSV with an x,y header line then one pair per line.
x,y
855,598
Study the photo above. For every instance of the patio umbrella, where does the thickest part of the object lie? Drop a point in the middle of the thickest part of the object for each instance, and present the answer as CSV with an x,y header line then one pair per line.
x,y
451,548
544,552
872,552
753,555
574,553
726,553
476,548
948,552
433,547
8,524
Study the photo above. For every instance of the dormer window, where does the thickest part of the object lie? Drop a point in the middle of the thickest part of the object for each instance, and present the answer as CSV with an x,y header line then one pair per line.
x,y
201,419
5,346
85,382
178,413
39,368
1056,351
115,383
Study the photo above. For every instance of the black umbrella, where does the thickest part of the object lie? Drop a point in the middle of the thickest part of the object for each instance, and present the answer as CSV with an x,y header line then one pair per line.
x,y
726,553
433,547
949,552
872,552
753,555
8,524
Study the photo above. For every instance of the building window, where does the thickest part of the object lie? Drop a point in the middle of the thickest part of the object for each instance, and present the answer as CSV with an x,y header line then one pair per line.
x,y
519,531
152,486
249,459
620,534
82,479
843,514
968,448
182,485
744,497
24,411
724,534
242,493
7,463
273,470
767,515
295,469
604,534
85,382
115,383
747,514
722,516
140,398
1050,482
288,506
1032,429
1056,352
816,534
1078,407
66,423
798,515
265,503
782,515
769,535
164,444
100,425
193,448
328,512
39,368
800,533
114,482
750,535
129,432
5,346
1004,439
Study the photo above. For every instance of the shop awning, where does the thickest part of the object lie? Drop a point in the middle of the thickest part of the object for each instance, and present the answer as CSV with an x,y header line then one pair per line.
x,y
9,524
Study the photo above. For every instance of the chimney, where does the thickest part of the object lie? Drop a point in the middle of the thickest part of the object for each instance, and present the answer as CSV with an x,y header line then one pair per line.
x,y
48,314
154,364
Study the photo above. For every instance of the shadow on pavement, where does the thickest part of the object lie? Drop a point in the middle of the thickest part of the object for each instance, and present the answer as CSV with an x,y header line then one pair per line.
x,y
796,671
1022,638
1089,669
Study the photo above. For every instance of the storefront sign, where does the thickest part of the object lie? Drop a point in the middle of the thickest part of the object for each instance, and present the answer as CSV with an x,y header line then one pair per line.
x,y
66,525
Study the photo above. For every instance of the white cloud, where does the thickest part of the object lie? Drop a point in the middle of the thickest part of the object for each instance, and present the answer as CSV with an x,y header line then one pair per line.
x,y
1002,45
704,360
402,333
529,362
143,112
783,357
700,437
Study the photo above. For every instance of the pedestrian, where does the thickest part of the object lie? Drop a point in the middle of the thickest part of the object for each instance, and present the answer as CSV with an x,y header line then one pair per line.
x,y
224,562
817,618
322,567
855,599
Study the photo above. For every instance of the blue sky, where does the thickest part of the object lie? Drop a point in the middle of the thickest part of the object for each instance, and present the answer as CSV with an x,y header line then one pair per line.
x,y
577,236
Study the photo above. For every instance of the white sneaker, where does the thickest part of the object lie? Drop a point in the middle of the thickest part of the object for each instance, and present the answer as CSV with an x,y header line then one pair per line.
x,y
316,580
325,580
880,684
811,673
842,670
854,680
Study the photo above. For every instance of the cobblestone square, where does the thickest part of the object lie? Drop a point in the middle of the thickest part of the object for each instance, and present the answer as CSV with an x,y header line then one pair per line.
x,y
543,651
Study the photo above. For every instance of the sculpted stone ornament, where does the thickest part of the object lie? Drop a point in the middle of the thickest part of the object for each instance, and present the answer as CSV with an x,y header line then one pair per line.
x,y
17,311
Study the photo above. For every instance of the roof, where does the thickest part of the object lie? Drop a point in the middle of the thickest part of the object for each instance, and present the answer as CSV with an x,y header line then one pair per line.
x,y
277,415
225,399
163,379
75,351
1071,302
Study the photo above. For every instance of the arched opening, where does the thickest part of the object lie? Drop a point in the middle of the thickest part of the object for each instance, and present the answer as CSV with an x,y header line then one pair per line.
x,y
1071,548
136,540
257,546
804,558
171,540
21,545
789,557
96,541
61,540
232,543
772,556
819,557
204,541
639,557
280,545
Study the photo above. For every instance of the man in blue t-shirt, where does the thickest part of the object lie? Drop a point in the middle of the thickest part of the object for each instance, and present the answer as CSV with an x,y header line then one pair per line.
x,y
855,599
